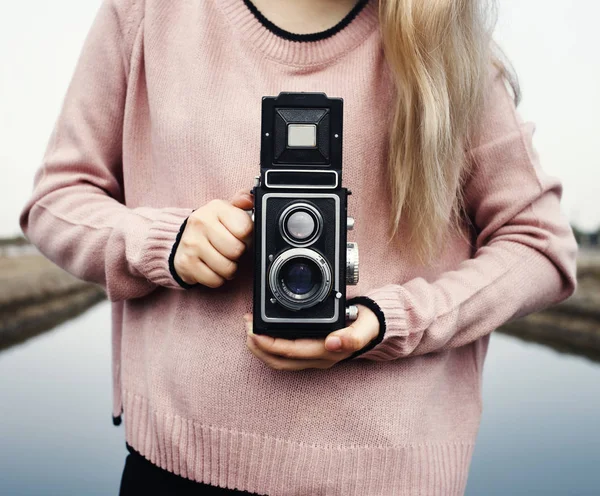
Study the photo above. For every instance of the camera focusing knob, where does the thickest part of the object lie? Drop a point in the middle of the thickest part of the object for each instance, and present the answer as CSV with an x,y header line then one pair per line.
x,y
350,223
351,264
352,312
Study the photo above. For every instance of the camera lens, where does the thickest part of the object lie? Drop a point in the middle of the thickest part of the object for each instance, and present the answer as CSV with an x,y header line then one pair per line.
x,y
301,224
300,277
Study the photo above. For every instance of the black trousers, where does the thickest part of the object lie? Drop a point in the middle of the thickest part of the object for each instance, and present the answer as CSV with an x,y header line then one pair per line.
x,y
142,478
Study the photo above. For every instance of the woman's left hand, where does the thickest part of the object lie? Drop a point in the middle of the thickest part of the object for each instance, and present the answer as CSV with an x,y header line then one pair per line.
x,y
304,353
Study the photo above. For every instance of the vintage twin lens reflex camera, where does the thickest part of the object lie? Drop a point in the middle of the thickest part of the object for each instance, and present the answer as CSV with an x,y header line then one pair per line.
x,y
303,261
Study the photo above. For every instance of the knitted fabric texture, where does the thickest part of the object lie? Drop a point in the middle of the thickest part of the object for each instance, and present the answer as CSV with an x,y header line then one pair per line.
x,y
162,116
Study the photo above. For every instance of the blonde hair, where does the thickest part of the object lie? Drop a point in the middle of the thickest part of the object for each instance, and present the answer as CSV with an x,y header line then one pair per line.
x,y
440,53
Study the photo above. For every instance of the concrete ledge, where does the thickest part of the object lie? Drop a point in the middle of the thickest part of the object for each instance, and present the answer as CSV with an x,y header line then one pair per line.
x,y
36,295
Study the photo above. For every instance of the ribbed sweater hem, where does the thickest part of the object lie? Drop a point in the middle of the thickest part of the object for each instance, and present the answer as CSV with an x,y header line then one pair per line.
x,y
259,463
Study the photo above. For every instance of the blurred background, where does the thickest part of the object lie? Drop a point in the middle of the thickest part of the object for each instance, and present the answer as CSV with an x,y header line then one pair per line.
x,y
540,432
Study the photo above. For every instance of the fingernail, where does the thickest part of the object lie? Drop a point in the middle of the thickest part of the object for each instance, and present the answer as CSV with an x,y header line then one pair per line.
x,y
333,343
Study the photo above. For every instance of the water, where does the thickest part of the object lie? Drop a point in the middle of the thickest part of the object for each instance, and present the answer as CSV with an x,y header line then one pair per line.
x,y
539,433
56,432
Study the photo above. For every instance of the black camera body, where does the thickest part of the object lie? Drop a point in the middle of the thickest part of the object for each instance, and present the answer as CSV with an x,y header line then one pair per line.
x,y
303,261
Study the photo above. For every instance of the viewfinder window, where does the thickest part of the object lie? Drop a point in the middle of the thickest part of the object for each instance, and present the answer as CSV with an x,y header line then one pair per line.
x,y
302,136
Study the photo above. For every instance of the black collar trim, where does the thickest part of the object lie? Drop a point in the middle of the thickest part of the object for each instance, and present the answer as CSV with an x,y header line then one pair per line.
x,y
287,35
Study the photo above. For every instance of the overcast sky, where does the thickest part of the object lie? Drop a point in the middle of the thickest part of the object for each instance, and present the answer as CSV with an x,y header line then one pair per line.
x,y
553,45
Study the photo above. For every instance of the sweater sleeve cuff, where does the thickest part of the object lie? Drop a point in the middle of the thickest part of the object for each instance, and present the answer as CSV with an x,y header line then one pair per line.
x,y
391,342
172,270
160,246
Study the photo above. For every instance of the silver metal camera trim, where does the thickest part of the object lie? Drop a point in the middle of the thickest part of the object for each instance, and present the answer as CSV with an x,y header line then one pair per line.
x,y
264,255
313,297
303,186
299,206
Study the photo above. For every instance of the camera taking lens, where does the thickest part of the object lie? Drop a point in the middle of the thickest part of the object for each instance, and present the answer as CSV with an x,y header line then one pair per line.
x,y
300,278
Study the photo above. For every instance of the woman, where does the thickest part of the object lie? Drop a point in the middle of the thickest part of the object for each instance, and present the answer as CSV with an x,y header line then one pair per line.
x,y
460,230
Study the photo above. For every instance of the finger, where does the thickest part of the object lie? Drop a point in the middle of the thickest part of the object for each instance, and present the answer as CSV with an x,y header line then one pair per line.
x,y
248,242
204,274
224,242
235,220
215,261
279,363
243,199
182,264
295,349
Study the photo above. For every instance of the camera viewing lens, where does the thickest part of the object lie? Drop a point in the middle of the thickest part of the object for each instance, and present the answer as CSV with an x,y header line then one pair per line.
x,y
300,225
300,277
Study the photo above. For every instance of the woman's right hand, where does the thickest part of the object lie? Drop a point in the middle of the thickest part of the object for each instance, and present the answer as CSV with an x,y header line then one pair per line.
x,y
214,238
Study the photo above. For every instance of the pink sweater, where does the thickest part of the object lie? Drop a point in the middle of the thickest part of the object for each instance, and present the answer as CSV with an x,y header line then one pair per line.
x,y
162,116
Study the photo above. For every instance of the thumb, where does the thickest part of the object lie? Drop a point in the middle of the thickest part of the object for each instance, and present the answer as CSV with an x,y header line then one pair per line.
x,y
243,199
356,336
